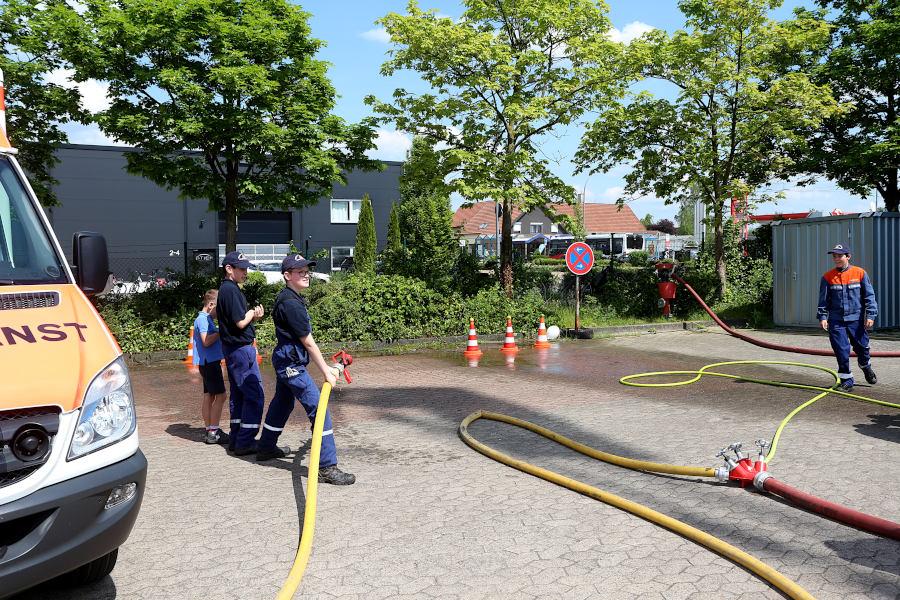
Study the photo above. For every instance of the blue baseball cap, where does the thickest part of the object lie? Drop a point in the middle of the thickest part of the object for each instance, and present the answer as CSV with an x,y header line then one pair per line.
x,y
237,259
840,249
295,261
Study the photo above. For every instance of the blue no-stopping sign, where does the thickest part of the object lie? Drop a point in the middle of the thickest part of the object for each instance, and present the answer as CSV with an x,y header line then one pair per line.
x,y
579,258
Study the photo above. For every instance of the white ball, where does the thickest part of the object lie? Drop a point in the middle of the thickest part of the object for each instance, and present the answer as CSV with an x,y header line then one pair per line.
x,y
552,332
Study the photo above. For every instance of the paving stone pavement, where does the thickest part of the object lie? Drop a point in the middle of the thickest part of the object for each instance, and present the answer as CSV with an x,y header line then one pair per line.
x,y
430,518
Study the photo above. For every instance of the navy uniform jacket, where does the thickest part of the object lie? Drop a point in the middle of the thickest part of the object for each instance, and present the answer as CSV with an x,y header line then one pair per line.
x,y
291,325
231,307
846,295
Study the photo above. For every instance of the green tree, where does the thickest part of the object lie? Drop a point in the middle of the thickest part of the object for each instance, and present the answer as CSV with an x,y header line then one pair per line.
x,y
430,246
685,217
860,147
503,76
234,81
426,224
425,171
366,239
394,242
647,221
734,120
35,107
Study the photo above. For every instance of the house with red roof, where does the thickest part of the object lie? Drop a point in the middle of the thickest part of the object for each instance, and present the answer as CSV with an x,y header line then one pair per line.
x,y
478,226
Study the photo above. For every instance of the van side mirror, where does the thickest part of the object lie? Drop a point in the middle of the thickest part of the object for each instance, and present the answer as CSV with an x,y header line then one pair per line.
x,y
91,261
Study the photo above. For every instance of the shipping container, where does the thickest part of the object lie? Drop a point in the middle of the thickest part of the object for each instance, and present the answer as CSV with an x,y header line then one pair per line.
x,y
800,258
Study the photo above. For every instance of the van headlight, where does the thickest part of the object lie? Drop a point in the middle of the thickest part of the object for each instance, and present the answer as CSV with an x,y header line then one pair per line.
x,y
107,414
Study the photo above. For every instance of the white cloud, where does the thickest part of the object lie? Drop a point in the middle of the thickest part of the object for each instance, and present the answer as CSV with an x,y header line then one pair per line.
x,y
379,35
631,31
391,145
93,92
88,134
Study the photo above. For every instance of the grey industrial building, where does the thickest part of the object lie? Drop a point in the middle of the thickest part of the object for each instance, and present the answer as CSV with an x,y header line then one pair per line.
x,y
151,229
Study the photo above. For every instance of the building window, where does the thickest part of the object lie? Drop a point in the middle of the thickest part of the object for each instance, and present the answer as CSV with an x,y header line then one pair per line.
x,y
517,227
341,257
554,228
345,211
536,227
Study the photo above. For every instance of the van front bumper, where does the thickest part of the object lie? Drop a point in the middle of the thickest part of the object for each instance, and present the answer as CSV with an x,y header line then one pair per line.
x,y
64,526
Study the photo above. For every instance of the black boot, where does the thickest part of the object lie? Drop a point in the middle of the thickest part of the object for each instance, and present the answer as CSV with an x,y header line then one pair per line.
x,y
870,375
270,453
335,476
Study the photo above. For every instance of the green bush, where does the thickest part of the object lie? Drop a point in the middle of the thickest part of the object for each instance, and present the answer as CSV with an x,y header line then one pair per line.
x,y
490,307
638,258
391,307
546,260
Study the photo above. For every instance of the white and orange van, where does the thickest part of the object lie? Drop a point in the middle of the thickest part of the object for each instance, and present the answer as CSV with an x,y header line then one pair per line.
x,y
71,473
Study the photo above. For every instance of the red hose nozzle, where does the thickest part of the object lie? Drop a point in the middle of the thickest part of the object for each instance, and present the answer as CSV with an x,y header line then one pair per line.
x,y
342,361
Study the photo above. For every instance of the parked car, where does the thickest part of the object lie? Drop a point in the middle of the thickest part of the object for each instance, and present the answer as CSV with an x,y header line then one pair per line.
x,y
272,271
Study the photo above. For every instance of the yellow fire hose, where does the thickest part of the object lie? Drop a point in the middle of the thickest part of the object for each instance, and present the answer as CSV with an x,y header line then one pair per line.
x,y
309,516
737,556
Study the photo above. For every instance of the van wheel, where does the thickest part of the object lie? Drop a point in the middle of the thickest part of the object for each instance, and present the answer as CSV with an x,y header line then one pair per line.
x,y
91,572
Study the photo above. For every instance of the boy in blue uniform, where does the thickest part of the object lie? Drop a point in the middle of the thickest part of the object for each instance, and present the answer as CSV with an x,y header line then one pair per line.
x,y
237,334
207,355
847,308
291,357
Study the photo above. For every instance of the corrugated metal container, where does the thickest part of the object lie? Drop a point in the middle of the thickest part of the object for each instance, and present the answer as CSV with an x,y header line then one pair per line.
x,y
799,256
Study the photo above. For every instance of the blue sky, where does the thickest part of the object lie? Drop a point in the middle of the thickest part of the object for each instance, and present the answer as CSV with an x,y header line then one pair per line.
x,y
357,46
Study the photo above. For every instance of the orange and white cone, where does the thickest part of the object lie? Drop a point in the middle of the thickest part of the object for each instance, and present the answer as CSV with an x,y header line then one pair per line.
x,y
189,359
258,355
509,342
542,335
472,350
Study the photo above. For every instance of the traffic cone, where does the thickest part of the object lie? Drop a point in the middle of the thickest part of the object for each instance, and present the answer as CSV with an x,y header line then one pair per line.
x,y
509,342
472,350
542,335
189,359
258,355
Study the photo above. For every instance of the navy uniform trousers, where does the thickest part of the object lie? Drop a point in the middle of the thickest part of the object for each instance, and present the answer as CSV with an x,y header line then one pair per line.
x,y
846,334
247,396
301,386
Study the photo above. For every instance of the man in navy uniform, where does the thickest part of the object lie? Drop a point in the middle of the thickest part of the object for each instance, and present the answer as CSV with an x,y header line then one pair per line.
x,y
237,333
846,310
293,352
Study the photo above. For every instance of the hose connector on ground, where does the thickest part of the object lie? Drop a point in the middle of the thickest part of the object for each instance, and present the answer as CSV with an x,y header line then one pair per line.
x,y
740,468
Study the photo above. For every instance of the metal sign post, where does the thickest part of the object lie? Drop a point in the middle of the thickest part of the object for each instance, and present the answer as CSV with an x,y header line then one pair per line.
x,y
577,303
580,260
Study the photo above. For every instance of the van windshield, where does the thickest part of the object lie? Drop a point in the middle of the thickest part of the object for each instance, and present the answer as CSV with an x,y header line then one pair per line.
x,y
26,253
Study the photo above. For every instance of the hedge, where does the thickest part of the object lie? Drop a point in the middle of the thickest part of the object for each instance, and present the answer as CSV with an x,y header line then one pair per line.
x,y
356,308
